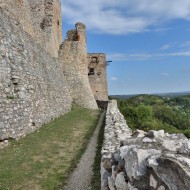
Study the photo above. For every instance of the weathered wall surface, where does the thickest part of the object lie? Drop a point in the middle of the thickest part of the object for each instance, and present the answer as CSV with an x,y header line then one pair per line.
x,y
73,58
39,18
98,76
32,86
142,161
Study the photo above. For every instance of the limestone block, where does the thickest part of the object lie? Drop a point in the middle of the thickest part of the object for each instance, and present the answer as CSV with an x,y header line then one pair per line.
x,y
174,142
120,182
170,168
161,188
153,182
156,134
130,187
139,133
148,140
111,183
107,165
135,161
185,148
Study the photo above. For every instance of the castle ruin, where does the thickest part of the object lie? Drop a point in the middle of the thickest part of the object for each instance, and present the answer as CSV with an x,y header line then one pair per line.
x,y
97,75
41,76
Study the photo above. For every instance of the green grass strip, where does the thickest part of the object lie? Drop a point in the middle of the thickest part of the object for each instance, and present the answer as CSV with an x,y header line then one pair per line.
x,y
44,159
96,180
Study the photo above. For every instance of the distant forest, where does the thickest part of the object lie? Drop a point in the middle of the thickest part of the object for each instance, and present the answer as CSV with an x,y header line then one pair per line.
x,y
148,112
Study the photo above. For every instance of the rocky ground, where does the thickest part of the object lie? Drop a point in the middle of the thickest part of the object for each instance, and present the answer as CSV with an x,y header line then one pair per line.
x,y
142,161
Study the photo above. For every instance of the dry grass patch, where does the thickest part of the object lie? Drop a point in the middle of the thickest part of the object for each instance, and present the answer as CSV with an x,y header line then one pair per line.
x,y
43,160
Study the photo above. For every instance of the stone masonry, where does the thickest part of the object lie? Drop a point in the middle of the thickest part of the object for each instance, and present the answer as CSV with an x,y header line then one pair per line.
x,y
73,55
142,161
40,77
97,75
32,87
39,18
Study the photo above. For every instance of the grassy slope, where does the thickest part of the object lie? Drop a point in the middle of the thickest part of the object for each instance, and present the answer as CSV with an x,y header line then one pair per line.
x,y
43,159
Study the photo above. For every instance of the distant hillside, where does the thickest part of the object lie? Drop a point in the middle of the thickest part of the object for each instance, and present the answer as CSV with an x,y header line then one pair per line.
x,y
170,112
169,94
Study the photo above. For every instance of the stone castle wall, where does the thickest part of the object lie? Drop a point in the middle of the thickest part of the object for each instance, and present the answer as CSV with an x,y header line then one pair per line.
x,y
39,78
98,76
32,86
142,161
73,58
39,18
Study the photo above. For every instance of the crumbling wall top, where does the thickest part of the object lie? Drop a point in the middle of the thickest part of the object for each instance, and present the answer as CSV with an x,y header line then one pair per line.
x,y
80,25
78,33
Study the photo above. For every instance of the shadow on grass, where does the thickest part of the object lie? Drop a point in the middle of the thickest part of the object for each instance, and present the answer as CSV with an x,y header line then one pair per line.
x,y
96,180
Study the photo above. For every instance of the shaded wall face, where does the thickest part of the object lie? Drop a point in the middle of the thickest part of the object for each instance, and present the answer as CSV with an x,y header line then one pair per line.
x,y
32,86
98,76
39,18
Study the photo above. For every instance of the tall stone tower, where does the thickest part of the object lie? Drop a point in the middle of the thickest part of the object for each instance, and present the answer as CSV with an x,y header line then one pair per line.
x,y
98,76
73,58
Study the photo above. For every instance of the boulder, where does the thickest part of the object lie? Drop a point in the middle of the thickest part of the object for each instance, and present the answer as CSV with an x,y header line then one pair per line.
x,y
185,148
135,161
120,182
173,170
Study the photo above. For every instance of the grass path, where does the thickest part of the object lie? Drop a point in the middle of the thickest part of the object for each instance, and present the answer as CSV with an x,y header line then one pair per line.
x,y
43,159
82,176
96,179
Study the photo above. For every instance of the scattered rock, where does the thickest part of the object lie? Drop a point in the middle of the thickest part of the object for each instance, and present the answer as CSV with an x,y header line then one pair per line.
x,y
130,187
185,148
139,133
148,140
155,160
120,182
107,165
155,134
153,182
111,183
161,188
135,161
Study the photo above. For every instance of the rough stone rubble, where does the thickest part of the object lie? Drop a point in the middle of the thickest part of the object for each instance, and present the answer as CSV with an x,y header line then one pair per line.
x,y
142,161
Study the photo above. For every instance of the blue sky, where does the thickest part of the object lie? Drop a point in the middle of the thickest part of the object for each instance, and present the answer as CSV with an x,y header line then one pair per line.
x,y
148,41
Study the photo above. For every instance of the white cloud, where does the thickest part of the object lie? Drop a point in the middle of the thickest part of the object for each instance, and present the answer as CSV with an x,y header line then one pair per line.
x,y
113,78
185,45
165,47
162,29
165,74
124,57
145,56
124,16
